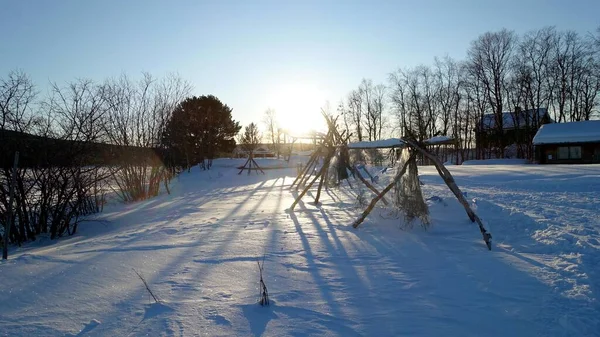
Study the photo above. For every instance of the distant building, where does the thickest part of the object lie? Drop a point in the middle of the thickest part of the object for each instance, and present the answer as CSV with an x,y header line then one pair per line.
x,y
518,127
568,143
262,151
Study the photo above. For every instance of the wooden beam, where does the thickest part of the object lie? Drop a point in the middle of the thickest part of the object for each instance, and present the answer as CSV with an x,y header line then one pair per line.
x,y
300,177
325,167
320,174
449,180
364,181
257,167
380,195
244,167
308,173
305,190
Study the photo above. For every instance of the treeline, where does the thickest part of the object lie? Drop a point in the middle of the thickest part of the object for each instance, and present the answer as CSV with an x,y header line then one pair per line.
x,y
86,139
503,72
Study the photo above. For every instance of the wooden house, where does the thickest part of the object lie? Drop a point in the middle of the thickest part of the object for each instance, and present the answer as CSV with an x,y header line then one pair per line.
x,y
261,151
568,143
518,127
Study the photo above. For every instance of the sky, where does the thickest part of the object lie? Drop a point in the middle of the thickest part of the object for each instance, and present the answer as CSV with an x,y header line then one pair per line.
x,y
289,55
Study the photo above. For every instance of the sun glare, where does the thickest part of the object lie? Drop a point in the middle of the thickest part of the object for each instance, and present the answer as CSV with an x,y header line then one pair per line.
x,y
298,107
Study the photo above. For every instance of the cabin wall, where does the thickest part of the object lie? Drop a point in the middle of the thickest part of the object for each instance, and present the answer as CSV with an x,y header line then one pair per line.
x,y
568,153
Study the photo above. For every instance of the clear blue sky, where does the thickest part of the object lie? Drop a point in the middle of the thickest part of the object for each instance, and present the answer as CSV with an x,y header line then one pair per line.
x,y
252,54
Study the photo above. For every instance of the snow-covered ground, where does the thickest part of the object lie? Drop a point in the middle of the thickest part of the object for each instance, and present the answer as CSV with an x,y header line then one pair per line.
x,y
198,250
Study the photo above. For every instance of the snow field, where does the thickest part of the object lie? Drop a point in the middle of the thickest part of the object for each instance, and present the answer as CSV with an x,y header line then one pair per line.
x,y
198,248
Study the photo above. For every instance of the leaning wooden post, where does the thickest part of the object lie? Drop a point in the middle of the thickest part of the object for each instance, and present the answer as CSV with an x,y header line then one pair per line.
x,y
449,180
367,172
324,169
257,167
250,163
304,191
380,195
307,174
305,169
371,187
244,166
321,172
11,196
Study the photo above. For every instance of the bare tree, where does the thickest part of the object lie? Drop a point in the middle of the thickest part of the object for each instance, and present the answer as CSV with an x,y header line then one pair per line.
x,y
489,59
369,119
413,100
398,99
379,109
70,191
137,114
533,62
364,111
58,181
355,111
79,110
17,94
477,105
562,63
448,87
573,79
273,130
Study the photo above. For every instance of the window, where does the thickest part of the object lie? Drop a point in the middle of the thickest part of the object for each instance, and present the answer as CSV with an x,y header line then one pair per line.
x,y
563,153
575,152
569,152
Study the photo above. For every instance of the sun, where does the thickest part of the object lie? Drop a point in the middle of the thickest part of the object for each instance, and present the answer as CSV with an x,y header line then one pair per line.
x,y
298,106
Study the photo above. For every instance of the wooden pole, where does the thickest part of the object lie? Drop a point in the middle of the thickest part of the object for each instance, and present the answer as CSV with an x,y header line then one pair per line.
x,y
305,169
321,172
307,174
371,187
10,206
449,180
250,163
243,167
367,172
380,195
304,191
257,167
324,174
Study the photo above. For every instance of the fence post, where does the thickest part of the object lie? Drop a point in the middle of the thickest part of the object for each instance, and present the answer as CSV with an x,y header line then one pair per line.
x,y
10,207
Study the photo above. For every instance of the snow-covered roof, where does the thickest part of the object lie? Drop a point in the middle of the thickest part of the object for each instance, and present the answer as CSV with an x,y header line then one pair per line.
x,y
378,144
262,150
438,140
573,132
512,119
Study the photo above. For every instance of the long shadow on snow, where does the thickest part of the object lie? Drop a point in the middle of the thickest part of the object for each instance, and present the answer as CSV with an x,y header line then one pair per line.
x,y
190,204
84,264
204,265
481,277
174,266
161,278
